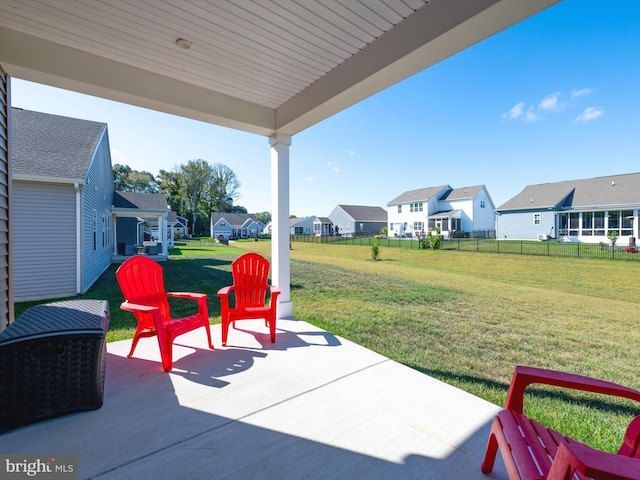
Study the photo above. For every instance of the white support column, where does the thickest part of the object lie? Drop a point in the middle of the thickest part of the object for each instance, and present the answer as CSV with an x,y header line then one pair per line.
x,y
114,232
162,234
280,255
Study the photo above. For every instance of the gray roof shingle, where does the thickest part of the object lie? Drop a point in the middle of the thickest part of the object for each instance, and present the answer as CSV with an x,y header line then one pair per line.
x,y
618,190
47,145
462,193
419,195
234,219
141,201
365,214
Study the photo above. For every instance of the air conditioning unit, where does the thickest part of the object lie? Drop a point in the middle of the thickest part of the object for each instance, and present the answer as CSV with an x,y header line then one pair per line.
x,y
542,237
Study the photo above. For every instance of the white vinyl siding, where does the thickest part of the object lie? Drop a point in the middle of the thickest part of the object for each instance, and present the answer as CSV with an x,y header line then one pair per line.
x,y
44,240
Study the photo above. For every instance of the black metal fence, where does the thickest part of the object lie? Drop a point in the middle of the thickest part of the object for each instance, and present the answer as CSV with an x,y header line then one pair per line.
x,y
488,245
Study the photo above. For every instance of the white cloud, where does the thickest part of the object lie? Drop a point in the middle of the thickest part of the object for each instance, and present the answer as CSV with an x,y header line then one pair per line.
x,y
581,93
516,111
532,116
550,103
351,153
333,166
308,179
589,114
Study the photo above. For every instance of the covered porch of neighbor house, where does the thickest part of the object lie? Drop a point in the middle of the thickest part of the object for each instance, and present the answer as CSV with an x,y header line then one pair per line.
x,y
236,412
139,235
449,223
139,225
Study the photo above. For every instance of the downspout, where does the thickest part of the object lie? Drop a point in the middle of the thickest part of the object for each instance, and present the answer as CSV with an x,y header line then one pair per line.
x,y
78,240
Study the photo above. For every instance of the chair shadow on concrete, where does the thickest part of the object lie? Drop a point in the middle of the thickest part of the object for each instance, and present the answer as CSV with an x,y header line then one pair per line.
x,y
286,339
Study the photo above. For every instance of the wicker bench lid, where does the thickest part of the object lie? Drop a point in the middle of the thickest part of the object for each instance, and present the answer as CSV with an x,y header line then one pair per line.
x,y
70,315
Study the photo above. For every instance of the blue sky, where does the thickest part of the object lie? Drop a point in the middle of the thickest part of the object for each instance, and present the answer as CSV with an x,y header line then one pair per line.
x,y
553,98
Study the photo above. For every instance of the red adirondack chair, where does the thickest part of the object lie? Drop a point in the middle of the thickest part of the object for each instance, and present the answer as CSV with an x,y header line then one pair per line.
x,y
142,285
532,451
250,285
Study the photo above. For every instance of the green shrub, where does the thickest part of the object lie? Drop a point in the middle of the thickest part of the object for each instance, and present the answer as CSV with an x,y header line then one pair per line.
x,y
375,249
434,241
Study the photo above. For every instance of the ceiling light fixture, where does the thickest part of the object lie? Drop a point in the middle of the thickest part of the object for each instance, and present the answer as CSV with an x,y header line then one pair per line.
x,y
185,44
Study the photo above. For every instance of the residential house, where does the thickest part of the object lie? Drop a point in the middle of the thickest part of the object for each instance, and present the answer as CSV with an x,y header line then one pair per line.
x,y
62,189
177,225
466,211
227,225
140,221
323,227
584,210
302,225
356,220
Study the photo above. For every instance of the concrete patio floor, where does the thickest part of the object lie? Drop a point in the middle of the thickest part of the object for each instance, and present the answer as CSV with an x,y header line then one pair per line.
x,y
312,405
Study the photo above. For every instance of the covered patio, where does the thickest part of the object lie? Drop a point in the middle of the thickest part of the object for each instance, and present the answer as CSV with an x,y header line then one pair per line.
x,y
312,405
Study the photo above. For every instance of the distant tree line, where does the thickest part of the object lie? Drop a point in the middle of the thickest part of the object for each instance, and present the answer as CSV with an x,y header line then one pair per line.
x,y
193,190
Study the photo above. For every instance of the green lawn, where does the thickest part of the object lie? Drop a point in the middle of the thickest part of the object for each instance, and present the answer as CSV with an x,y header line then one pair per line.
x,y
462,317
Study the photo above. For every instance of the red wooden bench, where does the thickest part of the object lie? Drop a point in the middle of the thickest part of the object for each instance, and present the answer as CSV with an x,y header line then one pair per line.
x,y
532,451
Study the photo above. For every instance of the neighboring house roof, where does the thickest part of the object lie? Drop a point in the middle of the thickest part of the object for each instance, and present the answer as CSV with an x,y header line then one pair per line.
x,y
176,221
148,202
323,220
448,214
616,190
296,220
462,193
420,195
365,214
52,146
233,219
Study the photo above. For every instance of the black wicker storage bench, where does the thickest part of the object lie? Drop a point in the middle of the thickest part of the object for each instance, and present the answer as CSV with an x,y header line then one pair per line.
x,y
52,362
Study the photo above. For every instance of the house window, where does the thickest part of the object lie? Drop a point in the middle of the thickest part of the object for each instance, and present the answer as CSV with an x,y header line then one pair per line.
x,y
481,203
455,224
222,224
536,219
627,222
587,224
415,207
417,227
95,230
574,224
621,222
598,223
399,208
104,231
361,227
569,224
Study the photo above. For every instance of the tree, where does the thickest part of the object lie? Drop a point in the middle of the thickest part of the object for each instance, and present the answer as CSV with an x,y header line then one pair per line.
x,y
121,177
224,188
264,217
125,179
169,183
196,177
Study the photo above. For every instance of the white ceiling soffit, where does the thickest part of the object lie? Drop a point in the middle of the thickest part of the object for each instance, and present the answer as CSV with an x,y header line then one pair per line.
x,y
254,65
